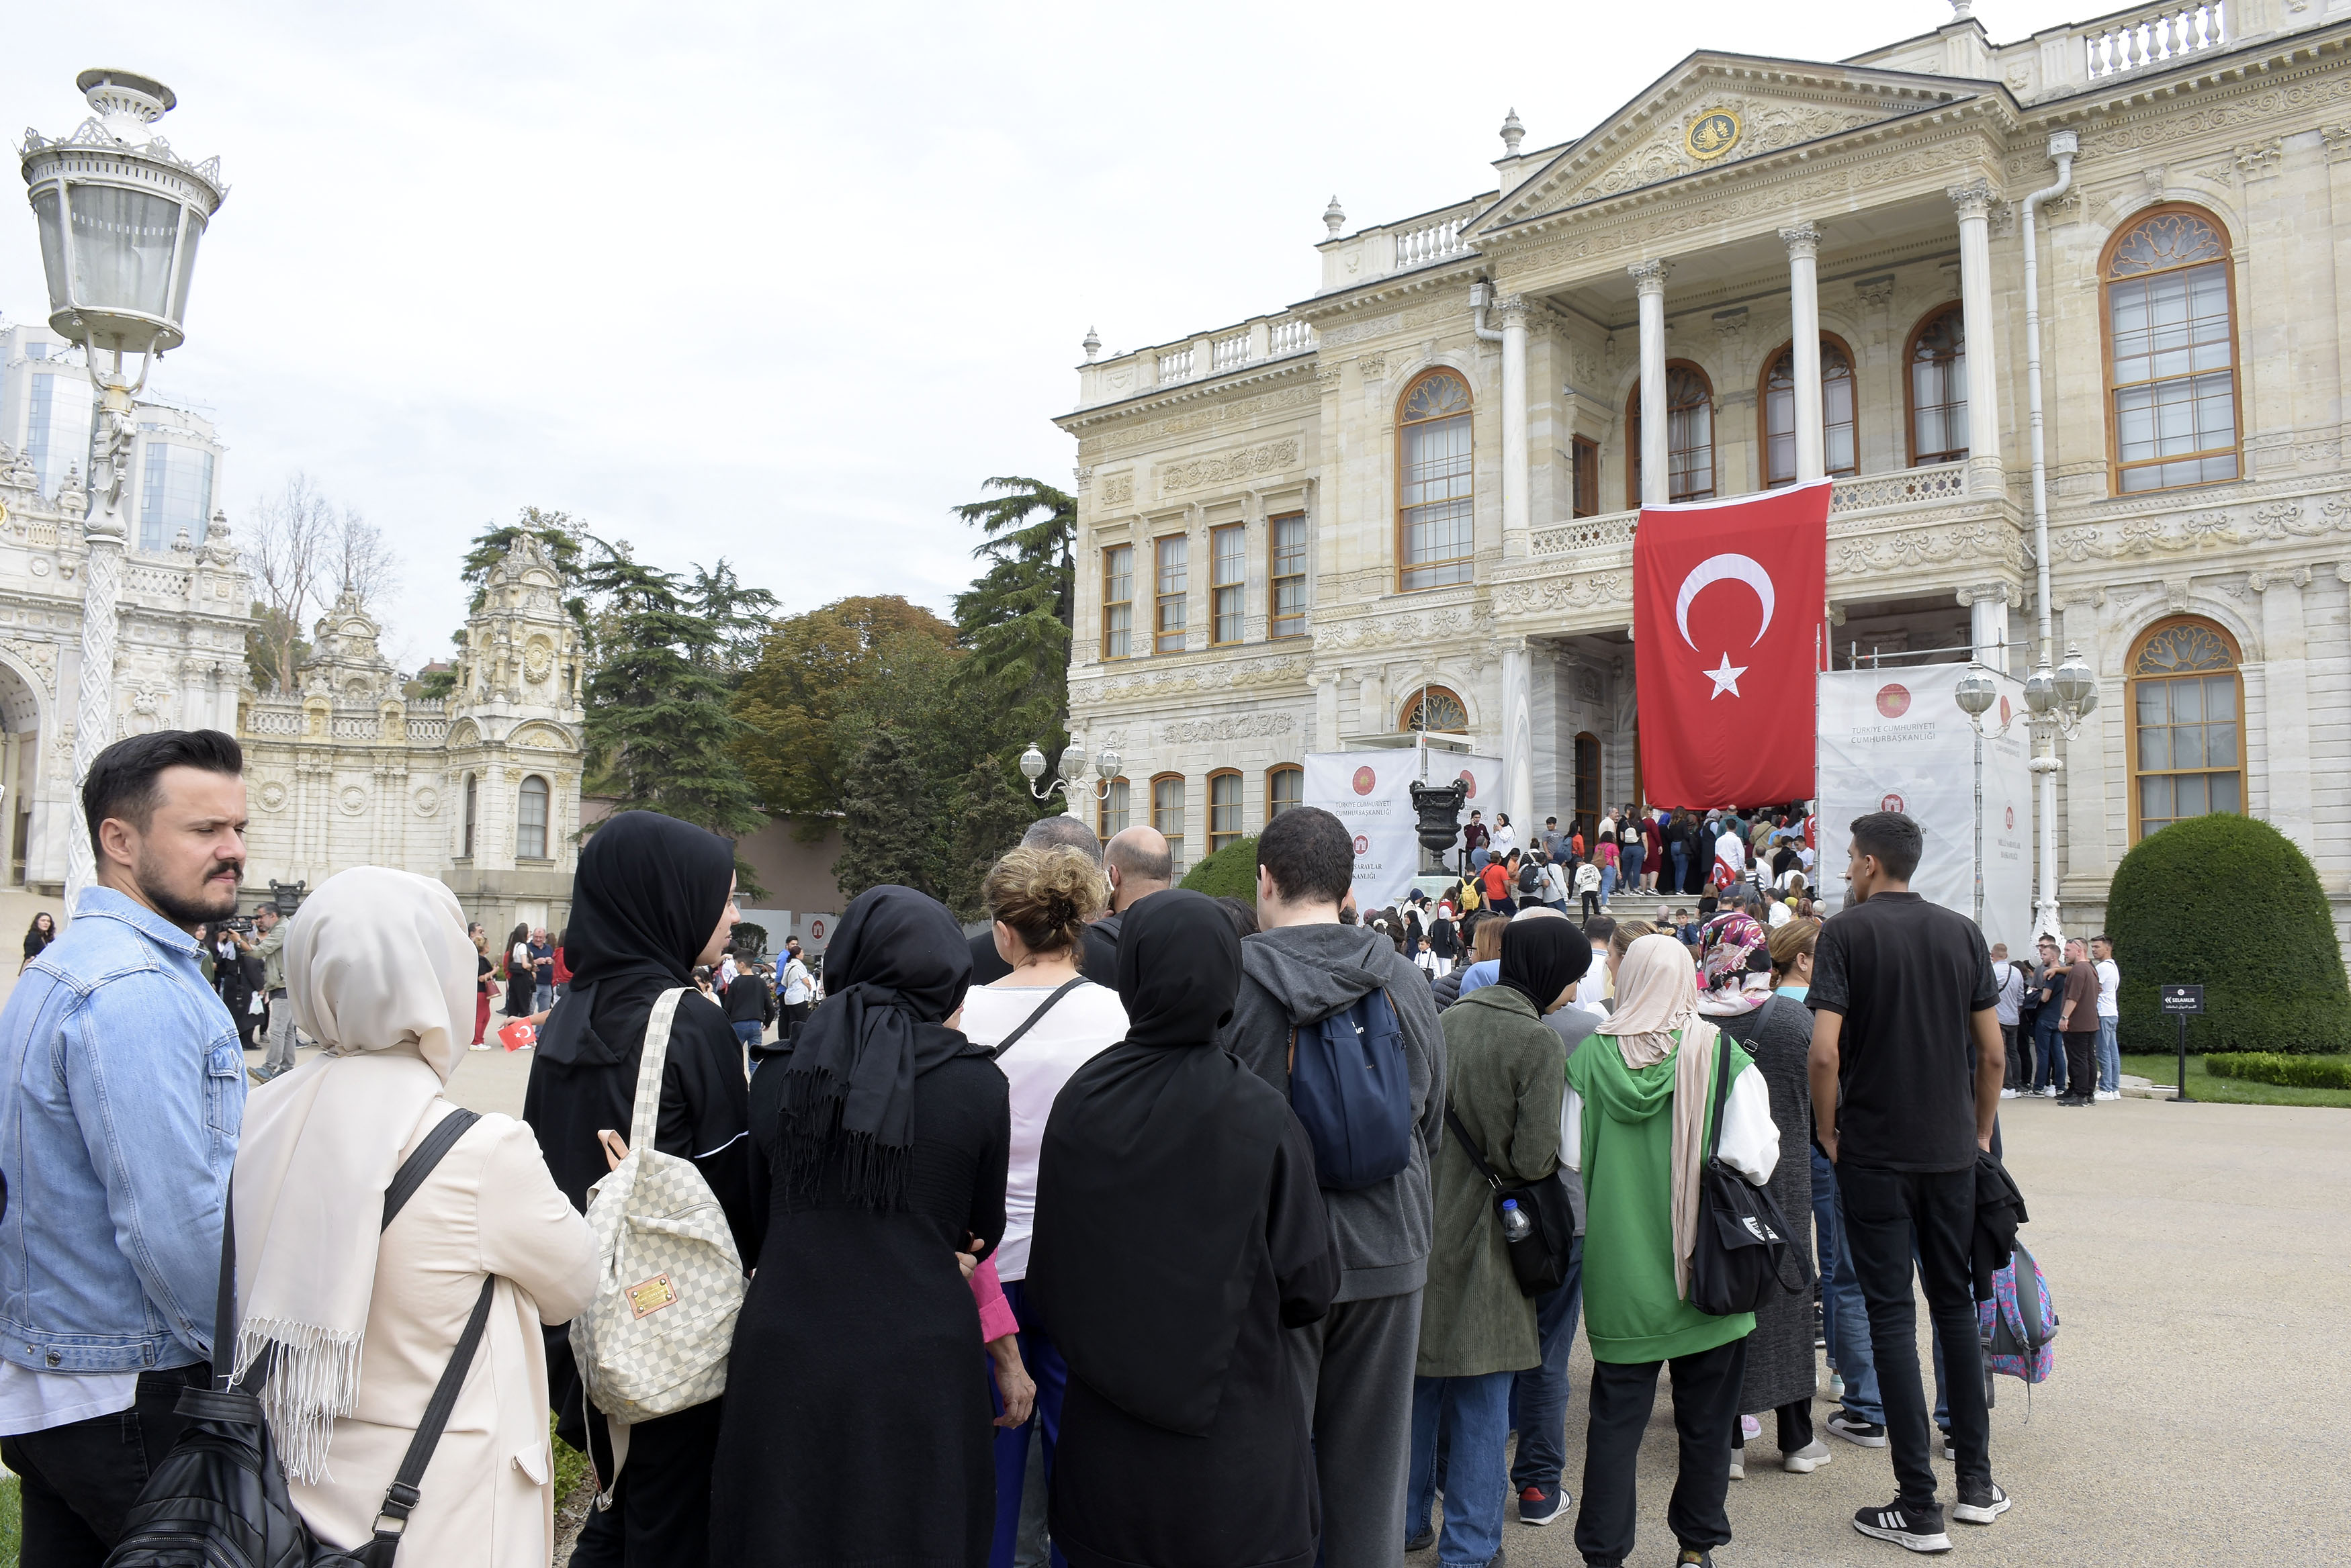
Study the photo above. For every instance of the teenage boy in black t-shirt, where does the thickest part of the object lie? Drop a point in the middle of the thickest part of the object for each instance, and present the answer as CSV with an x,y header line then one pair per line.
x,y
1899,987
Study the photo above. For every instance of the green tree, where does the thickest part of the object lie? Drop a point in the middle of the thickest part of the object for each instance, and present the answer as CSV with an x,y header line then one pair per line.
x,y
738,618
992,809
892,835
2271,967
1015,618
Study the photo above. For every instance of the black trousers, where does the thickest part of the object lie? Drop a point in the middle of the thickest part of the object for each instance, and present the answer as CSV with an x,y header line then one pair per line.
x,y
2018,1042
794,1014
2082,1066
660,1516
1795,1420
1706,1417
1887,1214
79,1481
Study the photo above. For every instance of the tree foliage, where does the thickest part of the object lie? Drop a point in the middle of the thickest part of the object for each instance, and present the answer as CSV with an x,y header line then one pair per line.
x,y
1015,618
1230,872
303,550
892,838
2271,969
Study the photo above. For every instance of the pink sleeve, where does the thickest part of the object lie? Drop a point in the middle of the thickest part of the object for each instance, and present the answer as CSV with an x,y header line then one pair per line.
x,y
995,1319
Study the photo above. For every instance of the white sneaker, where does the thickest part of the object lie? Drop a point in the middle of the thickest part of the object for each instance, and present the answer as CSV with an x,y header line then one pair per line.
x,y
2007,1094
1750,1427
2110,1094
1837,1387
1806,1459
477,1047
1738,1464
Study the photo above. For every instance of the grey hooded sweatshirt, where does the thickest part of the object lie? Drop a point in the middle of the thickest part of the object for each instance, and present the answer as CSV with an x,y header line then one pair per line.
x,y
1293,975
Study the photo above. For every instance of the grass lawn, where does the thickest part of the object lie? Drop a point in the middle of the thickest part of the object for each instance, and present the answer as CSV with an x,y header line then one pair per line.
x,y
11,1522
2202,1085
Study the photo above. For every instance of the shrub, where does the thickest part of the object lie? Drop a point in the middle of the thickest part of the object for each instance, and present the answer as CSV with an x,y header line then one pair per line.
x,y
2287,1071
2233,904
1230,872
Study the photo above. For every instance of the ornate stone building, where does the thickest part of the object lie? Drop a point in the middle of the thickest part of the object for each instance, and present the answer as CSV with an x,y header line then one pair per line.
x,y
481,790
1426,475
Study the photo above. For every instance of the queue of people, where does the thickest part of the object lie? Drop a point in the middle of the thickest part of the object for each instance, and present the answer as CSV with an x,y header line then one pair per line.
x,y
1180,1241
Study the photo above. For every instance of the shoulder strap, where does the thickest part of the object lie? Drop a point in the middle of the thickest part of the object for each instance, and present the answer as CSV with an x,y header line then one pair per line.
x,y
418,1165
644,1119
1030,1021
224,1303
1721,1090
401,1499
1470,1149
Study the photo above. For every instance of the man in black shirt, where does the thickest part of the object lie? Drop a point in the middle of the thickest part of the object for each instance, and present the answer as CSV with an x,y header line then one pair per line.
x,y
1899,987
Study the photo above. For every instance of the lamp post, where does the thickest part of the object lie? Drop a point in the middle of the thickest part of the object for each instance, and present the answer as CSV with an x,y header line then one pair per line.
x,y
120,215
1070,785
2056,703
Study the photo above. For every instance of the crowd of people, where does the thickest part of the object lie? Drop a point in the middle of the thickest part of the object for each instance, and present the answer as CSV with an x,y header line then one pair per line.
x,y
1140,1228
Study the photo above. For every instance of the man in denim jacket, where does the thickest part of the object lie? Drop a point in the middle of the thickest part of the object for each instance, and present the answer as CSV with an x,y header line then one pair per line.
x,y
122,1092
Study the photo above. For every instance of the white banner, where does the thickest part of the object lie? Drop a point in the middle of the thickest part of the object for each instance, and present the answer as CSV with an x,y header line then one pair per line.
x,y
1895,740
1370,792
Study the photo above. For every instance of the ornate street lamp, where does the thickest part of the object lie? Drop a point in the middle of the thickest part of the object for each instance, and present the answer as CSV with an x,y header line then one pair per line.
x,y
1071,784
120,215
2056,703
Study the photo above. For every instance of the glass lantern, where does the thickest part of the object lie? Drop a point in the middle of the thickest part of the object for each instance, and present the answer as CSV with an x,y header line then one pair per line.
x,y
121,215
1976,690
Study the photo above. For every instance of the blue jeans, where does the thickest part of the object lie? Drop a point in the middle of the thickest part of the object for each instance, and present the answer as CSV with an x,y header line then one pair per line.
x,y
1607,881
1052,1376
2048,1051
1475,1413
1849,1348
1539,1397
1632,858
748,1033
2110,1058
1681,867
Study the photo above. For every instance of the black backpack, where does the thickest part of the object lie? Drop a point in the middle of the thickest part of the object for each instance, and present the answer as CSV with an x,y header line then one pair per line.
x,y
219,1498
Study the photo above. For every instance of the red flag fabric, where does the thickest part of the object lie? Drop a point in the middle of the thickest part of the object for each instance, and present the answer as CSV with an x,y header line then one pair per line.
x,y
1730,605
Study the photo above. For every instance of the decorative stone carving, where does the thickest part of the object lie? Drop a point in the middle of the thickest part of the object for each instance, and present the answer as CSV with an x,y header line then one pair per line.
x,y
1876,291
1230,727
1230,468
2259,160
1972,200
1118,490
1373,367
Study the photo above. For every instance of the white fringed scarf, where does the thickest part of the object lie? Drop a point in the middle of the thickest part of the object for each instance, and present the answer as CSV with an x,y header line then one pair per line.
x,y
380,972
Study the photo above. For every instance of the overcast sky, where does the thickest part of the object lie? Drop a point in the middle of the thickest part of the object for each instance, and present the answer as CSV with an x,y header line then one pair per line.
x,y
785,282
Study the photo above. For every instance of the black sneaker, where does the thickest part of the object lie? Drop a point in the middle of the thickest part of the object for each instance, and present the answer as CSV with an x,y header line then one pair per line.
x,y
1913,1529
1854,1430
1980,1503
1422,1542
1695,1557
1541,1504
1943,1441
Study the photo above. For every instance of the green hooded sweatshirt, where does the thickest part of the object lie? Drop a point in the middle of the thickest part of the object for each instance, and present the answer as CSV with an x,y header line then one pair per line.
x,y
1632,1311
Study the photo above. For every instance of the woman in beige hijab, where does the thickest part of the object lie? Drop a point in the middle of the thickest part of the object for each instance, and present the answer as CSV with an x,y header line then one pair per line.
x,y
359,1320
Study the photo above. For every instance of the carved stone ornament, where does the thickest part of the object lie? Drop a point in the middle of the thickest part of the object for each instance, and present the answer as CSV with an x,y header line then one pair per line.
x,y
271,796
1118,490
353,800
1374,367
1972,200
427,801
1230,727
1235,467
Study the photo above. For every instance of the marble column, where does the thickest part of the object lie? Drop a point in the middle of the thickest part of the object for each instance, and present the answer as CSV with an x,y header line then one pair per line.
x,y
2285,657
1804,243
1972,202
1516,472
1988,607
1326,708
1649,279
1518,734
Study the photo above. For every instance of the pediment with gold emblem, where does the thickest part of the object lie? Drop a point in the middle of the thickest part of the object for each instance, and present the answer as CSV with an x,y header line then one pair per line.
x,y
1715,110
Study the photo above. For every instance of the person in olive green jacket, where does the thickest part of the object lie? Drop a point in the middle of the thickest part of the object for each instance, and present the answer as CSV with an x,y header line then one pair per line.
x,y
1640,1099
1504,1074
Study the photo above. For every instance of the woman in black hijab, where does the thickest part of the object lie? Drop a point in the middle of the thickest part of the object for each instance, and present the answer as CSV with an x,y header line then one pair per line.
x,y
1179,1230
858,1411
653,898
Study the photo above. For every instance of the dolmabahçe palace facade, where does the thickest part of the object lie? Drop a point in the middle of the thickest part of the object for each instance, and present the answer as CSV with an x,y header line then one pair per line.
x,y
1419,485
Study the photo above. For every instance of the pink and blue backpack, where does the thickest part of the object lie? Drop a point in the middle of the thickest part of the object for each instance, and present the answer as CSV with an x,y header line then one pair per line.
x,y
2020,1321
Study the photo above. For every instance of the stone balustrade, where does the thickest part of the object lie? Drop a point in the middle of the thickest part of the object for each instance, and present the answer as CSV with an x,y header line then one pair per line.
x,y
1290,335
2135,40
1175,364
1430,242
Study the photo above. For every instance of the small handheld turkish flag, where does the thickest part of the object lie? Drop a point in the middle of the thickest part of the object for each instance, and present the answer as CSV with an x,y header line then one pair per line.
x,y
1729,603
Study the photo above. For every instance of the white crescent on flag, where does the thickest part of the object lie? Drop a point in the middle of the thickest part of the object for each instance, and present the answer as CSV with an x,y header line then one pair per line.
x,y
1725,568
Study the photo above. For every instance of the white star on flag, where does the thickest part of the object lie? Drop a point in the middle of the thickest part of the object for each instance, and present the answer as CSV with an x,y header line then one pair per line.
x,y
1725,678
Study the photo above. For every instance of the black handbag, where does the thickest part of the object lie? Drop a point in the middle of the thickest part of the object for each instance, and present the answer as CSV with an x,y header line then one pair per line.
x,y
219,1499
1539,1258
1740,1253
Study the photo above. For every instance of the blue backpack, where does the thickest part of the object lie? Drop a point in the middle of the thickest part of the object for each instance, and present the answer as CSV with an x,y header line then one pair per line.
x,y
1352,1090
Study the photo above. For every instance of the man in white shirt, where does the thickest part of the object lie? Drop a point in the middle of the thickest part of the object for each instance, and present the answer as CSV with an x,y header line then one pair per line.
x,y
2110,985
1730,852
2011,999
795,989
1592,991
1554,890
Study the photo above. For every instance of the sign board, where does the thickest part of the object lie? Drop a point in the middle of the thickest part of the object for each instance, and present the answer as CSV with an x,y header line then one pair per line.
x,y
1895,740
2183,999
1370,792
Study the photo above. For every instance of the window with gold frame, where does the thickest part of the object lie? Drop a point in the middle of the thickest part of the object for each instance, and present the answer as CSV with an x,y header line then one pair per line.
x,y
1118,601
1168,815
1285,787
1690,436
1286,538
1436,537
1935,384
1438,709
1840,427
1224,809
2187,709
1111,810
2171,353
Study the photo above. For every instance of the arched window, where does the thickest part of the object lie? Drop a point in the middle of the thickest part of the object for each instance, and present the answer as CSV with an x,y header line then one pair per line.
x,y
1777,401
1690,436
2171,344
1224,809
1587,783
530,820
1111,813
1285,787
1434,536
1168,815
1434,708
473,805
2187,739
1937,387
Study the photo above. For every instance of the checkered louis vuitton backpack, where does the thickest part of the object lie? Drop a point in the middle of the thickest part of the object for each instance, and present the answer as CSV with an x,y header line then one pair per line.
x,y
655,1340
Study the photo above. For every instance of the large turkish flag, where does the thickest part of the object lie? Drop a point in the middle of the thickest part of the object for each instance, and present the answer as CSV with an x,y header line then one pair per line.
x,y
1729,614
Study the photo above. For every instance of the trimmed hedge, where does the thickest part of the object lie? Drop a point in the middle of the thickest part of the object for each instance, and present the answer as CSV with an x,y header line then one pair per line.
x,y
2231,904
2286,1071
1230,872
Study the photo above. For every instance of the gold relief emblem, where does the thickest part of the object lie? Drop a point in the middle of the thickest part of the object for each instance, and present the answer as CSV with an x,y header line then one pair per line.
x,y
1713,133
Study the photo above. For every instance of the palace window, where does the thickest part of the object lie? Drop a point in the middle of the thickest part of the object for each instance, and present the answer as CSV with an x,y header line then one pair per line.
x,y
1228,562
1111,813
1168,815
1690,436
1937,387
1287,536
1224,809
1118,601
176,492
2187,739
473,804
1583,471
1838,447
530,820
1170,555
1433,518
2172,342
1285,787
1435,710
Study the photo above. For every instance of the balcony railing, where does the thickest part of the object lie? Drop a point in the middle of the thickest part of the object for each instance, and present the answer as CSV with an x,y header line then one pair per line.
x,y
1290,337
1175,364
1231,353
1430,242
1614,530
2113,46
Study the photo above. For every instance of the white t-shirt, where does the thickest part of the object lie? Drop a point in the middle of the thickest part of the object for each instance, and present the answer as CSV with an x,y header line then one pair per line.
x,y
1505,838
1592,990
1087,1021
34,1401
796,983
2110,983
519,961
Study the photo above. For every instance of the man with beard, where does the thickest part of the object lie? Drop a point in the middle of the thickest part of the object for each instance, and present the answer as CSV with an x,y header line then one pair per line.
x,y
121,1093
